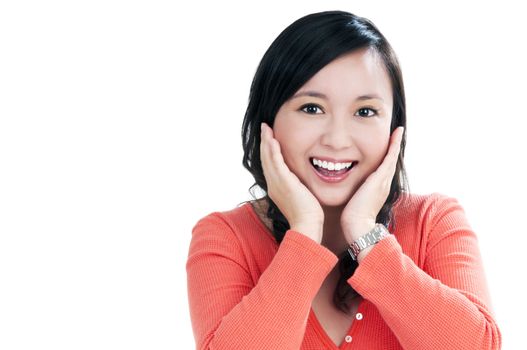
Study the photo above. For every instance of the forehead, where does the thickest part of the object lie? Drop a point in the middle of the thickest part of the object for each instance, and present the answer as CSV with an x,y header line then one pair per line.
x,y
358,73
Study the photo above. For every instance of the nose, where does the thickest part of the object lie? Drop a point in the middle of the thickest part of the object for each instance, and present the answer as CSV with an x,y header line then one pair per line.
x,y
337,133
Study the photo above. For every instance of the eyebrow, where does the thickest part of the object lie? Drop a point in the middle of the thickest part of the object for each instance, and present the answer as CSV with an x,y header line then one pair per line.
x,y
322,96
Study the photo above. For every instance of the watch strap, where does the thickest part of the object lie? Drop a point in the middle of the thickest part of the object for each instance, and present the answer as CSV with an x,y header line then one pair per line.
x,y
372,237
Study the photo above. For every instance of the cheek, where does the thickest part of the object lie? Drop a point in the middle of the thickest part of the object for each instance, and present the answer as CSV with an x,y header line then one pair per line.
x,y
284,138
294,142
375,147
290,147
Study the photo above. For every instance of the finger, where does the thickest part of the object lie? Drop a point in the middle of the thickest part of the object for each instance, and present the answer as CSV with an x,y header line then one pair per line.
x,y
395,146
264,154
389,163
268,155
395,149
275,157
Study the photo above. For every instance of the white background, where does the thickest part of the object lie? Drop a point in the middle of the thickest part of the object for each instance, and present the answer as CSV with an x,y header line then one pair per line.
x,y
120,128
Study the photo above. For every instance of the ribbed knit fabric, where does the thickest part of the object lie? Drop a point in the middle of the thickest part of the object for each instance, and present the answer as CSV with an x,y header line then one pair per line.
x,y
423,287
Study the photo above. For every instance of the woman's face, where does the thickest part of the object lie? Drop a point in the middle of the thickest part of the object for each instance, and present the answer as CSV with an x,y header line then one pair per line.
x,y
343,113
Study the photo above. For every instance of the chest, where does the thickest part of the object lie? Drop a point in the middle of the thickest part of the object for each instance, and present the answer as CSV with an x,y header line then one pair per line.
x,y
334,322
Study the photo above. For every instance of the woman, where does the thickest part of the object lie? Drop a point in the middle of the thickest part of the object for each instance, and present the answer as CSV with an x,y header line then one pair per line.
x,y
338,254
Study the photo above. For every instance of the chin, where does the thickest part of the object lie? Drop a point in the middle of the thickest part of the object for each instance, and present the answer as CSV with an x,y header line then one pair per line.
x,y
337,200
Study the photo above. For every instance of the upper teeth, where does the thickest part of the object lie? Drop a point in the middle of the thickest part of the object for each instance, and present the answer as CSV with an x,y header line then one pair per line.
x,y
331,166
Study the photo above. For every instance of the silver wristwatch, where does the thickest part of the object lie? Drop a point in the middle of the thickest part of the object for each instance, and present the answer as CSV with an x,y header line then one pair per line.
x,y
368,239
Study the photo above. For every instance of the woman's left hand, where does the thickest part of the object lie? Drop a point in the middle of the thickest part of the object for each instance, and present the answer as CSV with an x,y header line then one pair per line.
x,y
359,215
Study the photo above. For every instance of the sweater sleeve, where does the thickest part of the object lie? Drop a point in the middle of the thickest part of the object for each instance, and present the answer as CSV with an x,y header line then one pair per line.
x,y
445,305
231,311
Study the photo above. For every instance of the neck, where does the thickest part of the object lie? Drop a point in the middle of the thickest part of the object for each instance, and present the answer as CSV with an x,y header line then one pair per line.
x,y
333,238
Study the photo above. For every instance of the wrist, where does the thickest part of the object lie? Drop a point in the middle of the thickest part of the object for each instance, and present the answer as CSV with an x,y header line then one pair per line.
x,y
364,244
363,254
353,231
312,230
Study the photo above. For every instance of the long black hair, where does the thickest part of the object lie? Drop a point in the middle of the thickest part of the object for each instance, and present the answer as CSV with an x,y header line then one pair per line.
x,y
296,55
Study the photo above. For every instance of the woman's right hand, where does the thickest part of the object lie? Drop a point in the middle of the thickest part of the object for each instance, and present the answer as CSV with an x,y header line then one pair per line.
x,y
299,206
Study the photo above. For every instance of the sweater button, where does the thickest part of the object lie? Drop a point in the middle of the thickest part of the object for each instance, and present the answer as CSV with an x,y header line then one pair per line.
x,y
359,316
348,339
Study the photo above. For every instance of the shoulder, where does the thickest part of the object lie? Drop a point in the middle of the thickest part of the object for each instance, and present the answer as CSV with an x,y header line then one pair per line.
x,y
216,233
240,224
424,207
432,216
223,221
423,212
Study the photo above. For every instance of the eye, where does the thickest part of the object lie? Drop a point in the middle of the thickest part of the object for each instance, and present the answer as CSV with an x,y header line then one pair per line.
x,y
363,112
310,108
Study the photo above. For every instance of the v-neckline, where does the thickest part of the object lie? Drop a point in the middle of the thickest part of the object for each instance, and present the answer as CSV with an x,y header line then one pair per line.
x,y
323,336
320,331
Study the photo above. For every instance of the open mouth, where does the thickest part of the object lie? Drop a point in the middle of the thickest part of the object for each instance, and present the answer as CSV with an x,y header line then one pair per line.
x,y
330,169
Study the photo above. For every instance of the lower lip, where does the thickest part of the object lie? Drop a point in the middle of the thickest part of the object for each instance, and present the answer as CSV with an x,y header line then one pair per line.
x,y
335,178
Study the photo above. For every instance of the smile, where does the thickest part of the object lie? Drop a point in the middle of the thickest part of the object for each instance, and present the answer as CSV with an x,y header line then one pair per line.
x,y
332,172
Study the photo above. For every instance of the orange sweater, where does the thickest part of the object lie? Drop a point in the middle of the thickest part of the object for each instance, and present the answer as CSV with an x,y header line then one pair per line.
x,y
423,287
